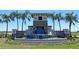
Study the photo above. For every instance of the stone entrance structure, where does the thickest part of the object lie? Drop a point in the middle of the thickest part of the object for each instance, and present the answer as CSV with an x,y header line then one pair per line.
x,y
40,28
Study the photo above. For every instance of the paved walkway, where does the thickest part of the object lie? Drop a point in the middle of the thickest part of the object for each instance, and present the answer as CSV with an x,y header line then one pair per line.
x,y
42,41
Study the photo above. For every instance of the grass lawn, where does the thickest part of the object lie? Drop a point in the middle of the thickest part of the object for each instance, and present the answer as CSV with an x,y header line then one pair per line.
x,y
75,33
57,47
24,46
19,45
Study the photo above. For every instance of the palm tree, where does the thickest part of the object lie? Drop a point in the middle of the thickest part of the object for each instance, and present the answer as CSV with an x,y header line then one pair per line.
x,y
0,20
59,18
16,15
53,17
6,19
23,17
71,18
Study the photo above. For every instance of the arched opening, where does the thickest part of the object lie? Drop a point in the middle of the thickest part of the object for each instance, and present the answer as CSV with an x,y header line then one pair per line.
x,y
40,30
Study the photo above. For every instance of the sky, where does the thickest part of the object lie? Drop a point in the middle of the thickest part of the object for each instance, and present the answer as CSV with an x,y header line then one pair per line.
x,y
64,25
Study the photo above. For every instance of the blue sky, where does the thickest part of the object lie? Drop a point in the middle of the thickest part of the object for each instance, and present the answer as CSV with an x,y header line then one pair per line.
x,y
64,25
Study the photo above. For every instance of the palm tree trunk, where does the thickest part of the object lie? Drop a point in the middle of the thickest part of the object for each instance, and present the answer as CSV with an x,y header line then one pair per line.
x,y
70,29
53,25
22,25
6,29
17,25
59,25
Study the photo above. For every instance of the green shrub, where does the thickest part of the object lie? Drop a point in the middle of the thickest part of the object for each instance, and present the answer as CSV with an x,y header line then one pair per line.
x,y
10,37
2,35
71,38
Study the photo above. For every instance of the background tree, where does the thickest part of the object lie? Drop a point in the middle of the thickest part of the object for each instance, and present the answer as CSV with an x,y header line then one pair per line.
x,y
53,17
71,18
59,17
16,15
24,16
6,19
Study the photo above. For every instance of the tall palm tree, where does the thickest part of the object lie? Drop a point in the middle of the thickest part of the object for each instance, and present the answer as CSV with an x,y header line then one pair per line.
x,y
16,15
6,19
59,18
0,20
23,17
71,18
53,17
